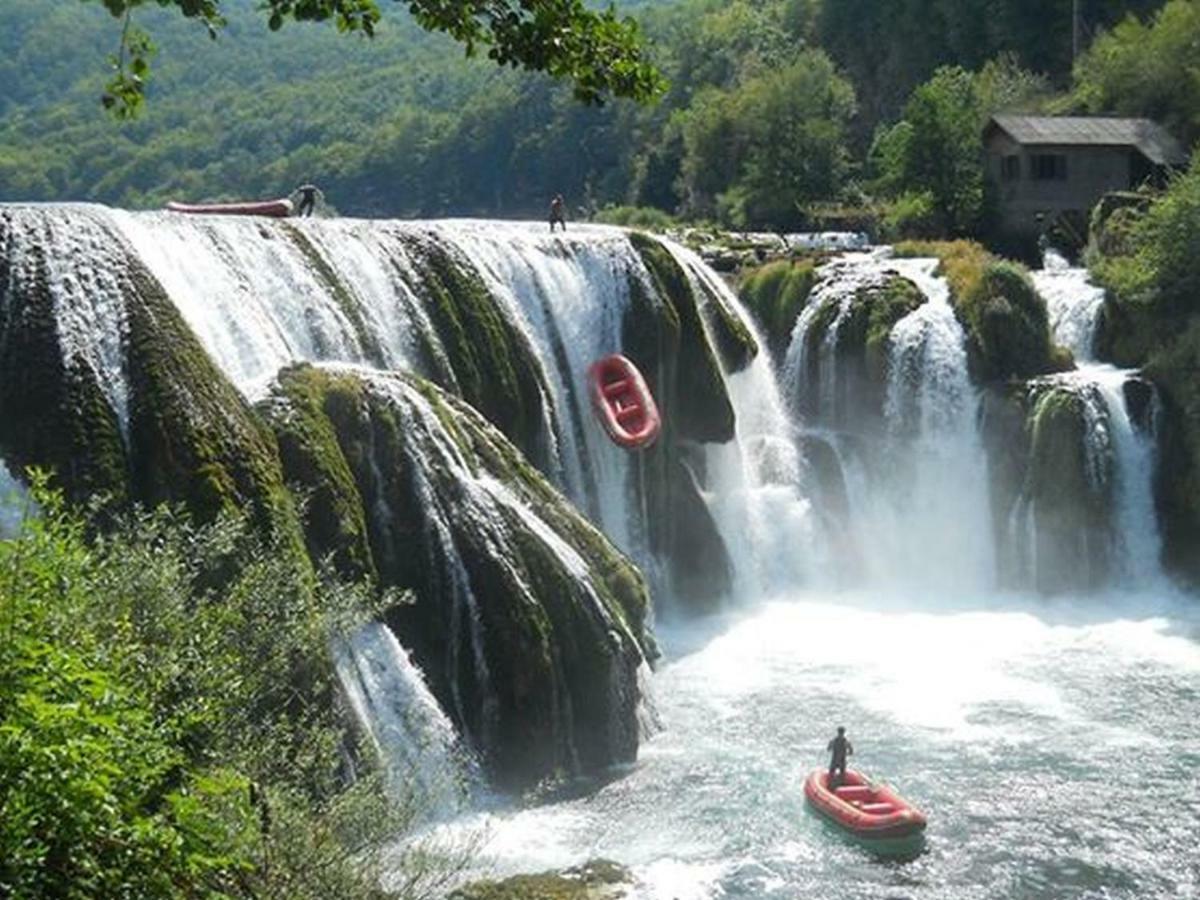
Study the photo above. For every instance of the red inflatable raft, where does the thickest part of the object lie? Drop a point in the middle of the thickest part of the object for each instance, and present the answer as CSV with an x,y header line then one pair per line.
x,y
276,208
864,809
623,403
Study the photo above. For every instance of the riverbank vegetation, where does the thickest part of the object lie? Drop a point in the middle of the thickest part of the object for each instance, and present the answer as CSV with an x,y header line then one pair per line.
x,y
169,725
776,111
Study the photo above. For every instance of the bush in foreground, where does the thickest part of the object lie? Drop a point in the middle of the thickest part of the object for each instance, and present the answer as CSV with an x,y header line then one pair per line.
x,y
168,724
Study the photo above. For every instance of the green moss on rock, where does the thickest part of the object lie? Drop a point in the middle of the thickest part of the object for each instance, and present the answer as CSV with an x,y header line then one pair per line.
x,y
335,522
775,294
53,414
495,368
554,692
664,335
1007,325
595,880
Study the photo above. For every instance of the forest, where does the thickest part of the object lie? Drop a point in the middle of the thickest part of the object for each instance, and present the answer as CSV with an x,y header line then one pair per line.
x,y
778,114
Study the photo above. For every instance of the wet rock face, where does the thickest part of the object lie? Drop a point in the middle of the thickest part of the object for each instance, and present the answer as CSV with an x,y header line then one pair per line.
x,y
103,382
1050,469
529,625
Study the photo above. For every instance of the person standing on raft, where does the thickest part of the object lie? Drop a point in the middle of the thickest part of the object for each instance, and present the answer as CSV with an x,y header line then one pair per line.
x,y
840,748
308,199
556,213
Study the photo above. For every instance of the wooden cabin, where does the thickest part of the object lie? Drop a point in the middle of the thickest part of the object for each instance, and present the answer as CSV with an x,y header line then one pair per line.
x,y
1049,169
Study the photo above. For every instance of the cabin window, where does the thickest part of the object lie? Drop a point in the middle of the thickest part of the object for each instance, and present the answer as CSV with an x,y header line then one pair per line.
x,y
1049,167
1010,167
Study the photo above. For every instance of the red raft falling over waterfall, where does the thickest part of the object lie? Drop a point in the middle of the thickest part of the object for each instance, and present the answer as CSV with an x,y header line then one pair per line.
x,y
278,209
623,403
863,809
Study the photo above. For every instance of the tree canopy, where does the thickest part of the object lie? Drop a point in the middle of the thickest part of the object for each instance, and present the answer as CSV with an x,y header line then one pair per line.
x,y
598,52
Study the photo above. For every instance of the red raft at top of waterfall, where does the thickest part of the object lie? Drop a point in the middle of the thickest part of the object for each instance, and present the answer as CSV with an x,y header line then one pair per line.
x,y
623,402
864,809
277,209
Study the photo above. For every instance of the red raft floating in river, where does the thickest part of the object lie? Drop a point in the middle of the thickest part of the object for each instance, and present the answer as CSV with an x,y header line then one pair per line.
x,y
864,809
278,209
623,403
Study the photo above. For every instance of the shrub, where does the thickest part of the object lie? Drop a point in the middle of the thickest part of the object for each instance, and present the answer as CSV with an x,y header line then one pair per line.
x,y
166,694
912,215
635,217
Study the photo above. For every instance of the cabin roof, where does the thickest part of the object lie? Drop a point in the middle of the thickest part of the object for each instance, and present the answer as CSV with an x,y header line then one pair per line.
x,y
1151,139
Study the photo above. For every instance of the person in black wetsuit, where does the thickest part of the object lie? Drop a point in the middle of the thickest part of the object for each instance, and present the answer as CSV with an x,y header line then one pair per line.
x,y
308,199
840,748
556,213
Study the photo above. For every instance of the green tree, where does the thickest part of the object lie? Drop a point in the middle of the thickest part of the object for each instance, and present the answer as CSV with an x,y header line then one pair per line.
x,y
932,159
759,153
597,51
1147,69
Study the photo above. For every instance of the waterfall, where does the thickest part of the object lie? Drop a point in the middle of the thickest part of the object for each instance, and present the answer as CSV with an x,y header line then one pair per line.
x,y
1073,304
913,469
425,764
71,252
757,482
14,503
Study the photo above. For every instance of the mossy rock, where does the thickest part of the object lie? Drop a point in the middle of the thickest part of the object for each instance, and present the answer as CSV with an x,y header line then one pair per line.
x,y
544,683
494,367
335,521
190,437
860,352
775,294
1007,325
193,436
1174,370
1073,539
664,336
595,880
53,414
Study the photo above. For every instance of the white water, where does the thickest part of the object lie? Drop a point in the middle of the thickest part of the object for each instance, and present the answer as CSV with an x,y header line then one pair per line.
x,y
919,505
1074,305
756,482
425,764
1053,750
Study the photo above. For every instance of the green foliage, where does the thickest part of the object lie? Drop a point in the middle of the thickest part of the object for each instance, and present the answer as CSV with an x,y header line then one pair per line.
x,y
940,153
931,161
1159,266
645,217
167,725
887,49
911,215
759,152
1147,69
597,51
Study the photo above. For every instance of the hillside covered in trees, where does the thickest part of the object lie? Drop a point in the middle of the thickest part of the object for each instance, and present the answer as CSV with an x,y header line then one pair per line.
x,y
772,107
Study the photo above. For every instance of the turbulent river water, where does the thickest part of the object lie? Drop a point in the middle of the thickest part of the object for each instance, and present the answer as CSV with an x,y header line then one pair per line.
x,y
1054,748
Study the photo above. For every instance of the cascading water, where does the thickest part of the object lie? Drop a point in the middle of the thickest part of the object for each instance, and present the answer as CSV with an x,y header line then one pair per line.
x,y
1118,450
426,765
1050,743
914,470
757,481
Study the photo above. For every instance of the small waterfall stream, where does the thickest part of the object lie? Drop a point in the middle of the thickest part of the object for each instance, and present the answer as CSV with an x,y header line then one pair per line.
x,y
426,765
1119,451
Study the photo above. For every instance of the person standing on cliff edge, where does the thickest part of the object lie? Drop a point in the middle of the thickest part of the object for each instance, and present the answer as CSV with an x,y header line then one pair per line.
x,y
556,213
